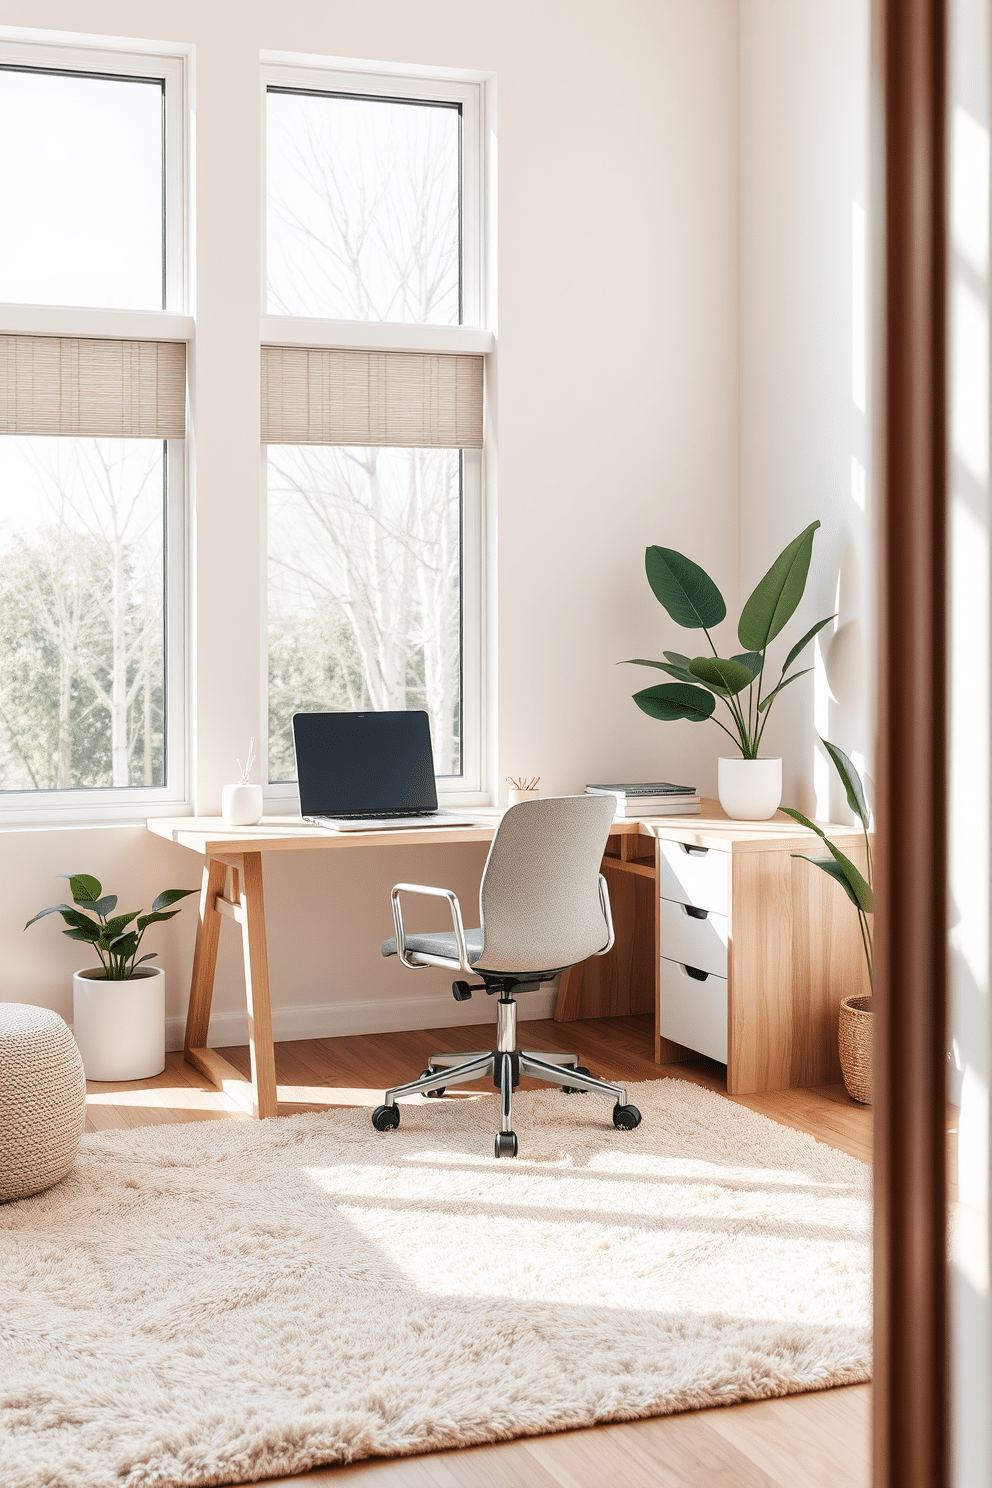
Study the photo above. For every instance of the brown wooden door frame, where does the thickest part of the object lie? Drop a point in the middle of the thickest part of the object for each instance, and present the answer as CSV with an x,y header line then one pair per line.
x,y
909,108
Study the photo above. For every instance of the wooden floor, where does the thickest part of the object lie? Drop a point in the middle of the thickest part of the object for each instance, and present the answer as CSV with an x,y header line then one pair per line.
x,y
803,1441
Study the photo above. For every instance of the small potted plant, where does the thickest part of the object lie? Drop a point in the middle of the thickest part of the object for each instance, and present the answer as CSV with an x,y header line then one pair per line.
x,y
855,1012
118,1007
749,786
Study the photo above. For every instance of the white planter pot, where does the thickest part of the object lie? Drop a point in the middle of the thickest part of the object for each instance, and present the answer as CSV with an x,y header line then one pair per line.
x,y
120,1026
241,805
750,790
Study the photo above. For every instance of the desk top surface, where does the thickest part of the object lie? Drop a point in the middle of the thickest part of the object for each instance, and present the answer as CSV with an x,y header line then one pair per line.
x,y
208,835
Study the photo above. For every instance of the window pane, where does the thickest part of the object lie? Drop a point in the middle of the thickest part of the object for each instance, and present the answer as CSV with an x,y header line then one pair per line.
x,y
363,209
364,589
83,215
82,599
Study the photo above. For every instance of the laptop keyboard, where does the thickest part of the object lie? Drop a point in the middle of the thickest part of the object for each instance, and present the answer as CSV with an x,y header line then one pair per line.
x,y
379,815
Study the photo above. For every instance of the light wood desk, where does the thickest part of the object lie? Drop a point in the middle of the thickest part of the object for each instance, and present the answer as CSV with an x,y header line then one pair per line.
x,y
792,947
232,889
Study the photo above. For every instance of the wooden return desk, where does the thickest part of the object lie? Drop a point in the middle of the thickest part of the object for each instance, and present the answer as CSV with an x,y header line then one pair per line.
x,y
792,945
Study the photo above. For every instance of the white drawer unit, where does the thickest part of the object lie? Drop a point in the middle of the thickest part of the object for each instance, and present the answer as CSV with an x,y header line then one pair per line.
x,y
696,937
694,1009
693,875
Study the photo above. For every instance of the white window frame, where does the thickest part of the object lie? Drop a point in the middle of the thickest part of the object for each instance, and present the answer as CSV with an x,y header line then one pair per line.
x,y
174,323
472,336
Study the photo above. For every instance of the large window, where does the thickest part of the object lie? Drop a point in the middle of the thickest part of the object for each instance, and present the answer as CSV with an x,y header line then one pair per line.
x,y
373,509
82,606
92,423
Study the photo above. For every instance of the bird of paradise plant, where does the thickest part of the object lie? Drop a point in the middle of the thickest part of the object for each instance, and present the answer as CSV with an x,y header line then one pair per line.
x,y
838,865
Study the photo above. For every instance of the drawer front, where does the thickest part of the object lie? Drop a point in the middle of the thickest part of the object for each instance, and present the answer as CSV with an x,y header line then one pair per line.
x,y
698,876
696,937
694,1013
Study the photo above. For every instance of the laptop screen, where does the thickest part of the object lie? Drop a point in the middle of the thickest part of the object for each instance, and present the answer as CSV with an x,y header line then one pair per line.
x,y
368,762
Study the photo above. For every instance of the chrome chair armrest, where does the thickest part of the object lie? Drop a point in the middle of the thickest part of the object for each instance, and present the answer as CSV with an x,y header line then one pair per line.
x,y
604,899
456,920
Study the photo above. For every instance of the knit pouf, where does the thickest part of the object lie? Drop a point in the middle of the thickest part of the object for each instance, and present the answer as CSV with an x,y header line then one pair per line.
x,y
42,1100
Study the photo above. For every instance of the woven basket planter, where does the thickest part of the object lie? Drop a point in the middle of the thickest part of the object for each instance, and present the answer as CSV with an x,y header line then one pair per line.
x,y
856,1033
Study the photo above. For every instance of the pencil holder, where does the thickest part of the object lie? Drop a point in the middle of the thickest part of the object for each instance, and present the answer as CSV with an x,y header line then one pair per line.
x,y
513,797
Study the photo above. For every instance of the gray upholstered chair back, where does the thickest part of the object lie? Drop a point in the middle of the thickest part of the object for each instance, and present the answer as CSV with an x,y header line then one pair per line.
x,y
540,900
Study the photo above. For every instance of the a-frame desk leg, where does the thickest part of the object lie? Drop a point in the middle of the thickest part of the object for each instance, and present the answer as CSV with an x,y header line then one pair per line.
x,y
247,907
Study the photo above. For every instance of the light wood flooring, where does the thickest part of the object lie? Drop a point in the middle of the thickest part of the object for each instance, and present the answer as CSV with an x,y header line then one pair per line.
x,y
819,1440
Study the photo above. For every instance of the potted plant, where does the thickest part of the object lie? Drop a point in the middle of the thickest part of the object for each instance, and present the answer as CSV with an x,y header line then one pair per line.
x,y
118,1007
749,786
855,1012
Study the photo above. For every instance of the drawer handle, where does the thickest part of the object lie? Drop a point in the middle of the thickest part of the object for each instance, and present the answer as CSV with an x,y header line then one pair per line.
x,y
697,914
696,974
693,851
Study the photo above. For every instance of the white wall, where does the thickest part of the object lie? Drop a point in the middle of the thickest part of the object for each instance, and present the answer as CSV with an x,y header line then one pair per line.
x,y
970,660
617,278
803,186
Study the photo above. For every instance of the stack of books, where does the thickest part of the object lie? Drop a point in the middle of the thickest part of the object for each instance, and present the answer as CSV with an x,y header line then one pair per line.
x,y
654,798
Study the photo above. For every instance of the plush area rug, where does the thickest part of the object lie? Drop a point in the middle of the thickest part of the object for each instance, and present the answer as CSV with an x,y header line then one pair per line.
x,y
221,1302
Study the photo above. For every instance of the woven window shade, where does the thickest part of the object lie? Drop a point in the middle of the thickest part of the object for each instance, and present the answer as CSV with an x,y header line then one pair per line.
x,y
316,396
106,389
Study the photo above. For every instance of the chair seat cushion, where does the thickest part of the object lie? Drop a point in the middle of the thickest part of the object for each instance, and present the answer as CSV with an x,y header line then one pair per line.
x,y
439,943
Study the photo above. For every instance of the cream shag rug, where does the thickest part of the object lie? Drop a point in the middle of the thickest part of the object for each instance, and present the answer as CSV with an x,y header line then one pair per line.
x,y
222,1301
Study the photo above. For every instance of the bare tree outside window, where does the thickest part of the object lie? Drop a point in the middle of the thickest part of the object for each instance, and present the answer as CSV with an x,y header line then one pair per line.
x,y
363,209
82,651
364,589
364,544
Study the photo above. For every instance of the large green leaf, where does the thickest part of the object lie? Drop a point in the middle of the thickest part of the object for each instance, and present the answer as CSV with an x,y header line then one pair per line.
x,y
85,888
676,658
663,666
80,921
775,599
851,782
861,889
106,905
119,923
124,945
776,690
728,677
814,630
52,909
91,936
804,821
687,592
151,919
169,896
835,871
753,660
671,700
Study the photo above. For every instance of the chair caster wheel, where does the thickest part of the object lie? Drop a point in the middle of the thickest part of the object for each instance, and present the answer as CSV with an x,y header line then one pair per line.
x,y
386,1118
625,1118
432,1094
579,1069
506,1144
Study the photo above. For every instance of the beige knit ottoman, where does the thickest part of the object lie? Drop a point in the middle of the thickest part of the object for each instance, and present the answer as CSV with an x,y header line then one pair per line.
x,y
42,1100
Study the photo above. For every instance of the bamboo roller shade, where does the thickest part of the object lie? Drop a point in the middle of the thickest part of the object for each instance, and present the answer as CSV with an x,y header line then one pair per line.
x,y
101,388
319,396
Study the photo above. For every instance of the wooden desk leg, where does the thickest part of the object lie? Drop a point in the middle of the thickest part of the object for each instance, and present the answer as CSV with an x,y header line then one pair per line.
x,y
204,958
263,1059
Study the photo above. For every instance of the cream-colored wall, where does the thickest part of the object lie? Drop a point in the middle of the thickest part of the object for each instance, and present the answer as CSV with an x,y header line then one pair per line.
x,y
617,375
803,187
970,566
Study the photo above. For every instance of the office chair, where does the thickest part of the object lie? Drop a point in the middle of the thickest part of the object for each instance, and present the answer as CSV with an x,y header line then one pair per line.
x,y
543,906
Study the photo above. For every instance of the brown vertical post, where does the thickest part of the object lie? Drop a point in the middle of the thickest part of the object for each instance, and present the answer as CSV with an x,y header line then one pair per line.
x,y
911,1345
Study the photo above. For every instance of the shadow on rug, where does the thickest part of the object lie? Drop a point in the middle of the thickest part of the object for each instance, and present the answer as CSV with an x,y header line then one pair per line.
x,y
220,1302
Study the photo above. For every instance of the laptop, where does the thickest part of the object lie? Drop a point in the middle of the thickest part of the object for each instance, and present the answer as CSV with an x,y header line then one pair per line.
x,y
367,772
